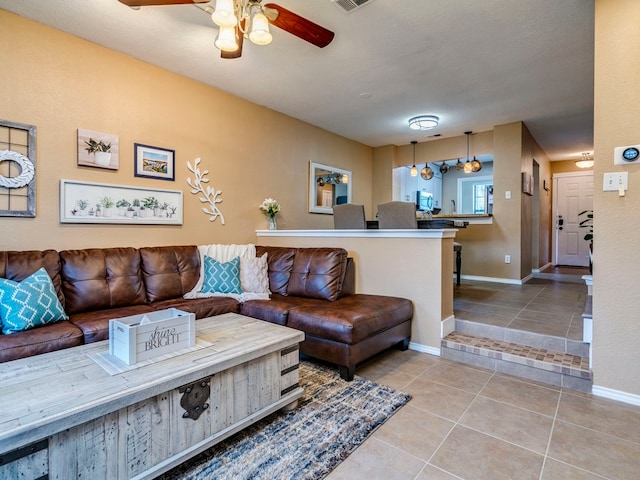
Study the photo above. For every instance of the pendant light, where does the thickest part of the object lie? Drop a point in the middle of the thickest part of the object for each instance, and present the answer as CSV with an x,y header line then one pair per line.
x,y
414,170
468,167
459,165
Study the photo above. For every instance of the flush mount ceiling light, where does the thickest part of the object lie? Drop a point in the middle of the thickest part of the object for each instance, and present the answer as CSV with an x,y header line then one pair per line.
x,y
423,122
586,162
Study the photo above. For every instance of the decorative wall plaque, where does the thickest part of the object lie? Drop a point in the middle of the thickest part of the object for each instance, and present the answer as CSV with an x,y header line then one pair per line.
x,y
17,169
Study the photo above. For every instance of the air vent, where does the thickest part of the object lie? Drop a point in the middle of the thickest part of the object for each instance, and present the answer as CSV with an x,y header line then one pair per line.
x,y
350,5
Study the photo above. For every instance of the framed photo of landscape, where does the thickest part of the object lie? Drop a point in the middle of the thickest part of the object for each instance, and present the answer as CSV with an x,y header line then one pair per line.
x,y
154,162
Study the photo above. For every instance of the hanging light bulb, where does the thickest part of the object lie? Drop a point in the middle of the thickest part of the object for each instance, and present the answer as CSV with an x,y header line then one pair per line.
x,y
260,34
226,40
468,167
414,170
459,165
224,15
476,165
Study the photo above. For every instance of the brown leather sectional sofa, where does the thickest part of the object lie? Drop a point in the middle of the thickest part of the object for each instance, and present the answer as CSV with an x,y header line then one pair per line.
x,y
313,290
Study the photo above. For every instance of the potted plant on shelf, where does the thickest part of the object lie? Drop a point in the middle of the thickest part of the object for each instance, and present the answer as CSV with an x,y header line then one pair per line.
x,y
587,223
101,151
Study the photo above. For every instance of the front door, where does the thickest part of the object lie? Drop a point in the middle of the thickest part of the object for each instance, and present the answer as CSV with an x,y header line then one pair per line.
x,y
573,193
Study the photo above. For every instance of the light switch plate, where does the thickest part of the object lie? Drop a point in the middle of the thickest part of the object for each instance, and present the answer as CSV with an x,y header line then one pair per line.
x,y
611,182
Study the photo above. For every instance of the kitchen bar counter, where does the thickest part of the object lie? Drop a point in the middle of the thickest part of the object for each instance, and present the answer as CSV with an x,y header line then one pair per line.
x,y
430,224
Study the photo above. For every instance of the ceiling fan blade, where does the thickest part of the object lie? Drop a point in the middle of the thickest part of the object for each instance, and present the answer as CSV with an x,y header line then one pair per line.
x,y
300,26
240,39
148,3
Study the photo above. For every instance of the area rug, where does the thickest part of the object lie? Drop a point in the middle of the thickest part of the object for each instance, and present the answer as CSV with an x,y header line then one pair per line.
x,y
332,419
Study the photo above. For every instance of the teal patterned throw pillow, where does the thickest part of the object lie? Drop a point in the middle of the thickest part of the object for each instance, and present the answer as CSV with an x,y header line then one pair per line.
x,y
30,303
221,277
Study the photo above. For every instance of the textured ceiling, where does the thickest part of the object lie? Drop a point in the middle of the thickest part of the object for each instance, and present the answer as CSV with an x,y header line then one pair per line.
x,y
473,63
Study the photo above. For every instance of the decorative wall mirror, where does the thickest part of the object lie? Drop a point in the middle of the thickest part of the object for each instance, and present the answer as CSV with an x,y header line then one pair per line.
x,y
328,186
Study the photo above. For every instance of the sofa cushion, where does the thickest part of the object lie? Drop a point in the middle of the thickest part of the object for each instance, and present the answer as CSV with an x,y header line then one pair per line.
x,y
201,307
31,303
221,277
280,261
318,273
95,325
169,272
101,278
351,319
277,309
49,338
17,266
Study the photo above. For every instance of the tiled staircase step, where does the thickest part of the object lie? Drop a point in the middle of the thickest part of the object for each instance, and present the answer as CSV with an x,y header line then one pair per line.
x,y
522,337
557,368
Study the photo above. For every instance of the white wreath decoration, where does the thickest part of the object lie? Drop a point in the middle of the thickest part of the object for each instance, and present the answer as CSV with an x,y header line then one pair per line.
x,y
26,166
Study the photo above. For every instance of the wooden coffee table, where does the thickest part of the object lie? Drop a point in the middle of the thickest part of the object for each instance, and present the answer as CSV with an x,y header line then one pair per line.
x,y
63,415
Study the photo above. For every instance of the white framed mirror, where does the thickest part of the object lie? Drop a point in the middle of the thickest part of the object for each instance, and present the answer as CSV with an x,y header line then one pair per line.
x,y
328,186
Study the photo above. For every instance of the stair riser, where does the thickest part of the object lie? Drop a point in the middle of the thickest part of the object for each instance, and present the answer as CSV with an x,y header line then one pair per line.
x,y
518,370
522,337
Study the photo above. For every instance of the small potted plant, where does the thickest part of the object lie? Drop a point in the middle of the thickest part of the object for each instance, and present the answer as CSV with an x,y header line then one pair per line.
x,y
101,151
122,206
81,206
107,206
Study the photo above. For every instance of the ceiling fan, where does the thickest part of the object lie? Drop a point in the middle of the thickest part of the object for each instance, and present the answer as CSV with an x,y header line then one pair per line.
x,y
239,19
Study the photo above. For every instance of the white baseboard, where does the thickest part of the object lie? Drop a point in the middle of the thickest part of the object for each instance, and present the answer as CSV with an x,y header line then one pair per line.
x,y
424,349
447,326
612,394
510,281
542,268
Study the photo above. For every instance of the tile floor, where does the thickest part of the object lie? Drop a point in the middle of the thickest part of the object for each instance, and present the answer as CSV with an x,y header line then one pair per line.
x,y
540,306
469,423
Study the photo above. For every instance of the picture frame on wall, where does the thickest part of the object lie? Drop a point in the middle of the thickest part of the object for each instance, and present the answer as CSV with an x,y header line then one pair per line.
x,y
527,183
88,202
154,162
97,149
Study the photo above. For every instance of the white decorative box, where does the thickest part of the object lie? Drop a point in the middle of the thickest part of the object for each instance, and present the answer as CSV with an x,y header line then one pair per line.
x,y
141,337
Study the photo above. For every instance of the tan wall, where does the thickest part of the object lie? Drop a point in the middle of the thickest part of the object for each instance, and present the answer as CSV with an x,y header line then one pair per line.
x,y
60,83
384,159
420,269
616,301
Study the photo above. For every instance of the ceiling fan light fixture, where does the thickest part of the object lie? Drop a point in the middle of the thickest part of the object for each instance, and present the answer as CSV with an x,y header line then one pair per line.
x,y
226,40
224,15
260,34
423,122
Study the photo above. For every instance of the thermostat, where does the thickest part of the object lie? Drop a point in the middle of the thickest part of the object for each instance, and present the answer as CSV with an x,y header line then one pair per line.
x,y
626,155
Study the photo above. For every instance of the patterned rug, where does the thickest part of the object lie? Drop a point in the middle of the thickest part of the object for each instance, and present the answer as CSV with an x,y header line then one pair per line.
x,y
332,419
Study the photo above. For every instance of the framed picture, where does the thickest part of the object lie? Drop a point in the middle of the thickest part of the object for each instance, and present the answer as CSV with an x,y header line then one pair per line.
x,y
527,184
97,149
154,162
84,202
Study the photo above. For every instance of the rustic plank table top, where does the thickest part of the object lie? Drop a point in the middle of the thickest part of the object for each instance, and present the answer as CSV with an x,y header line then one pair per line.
x,y
45,394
